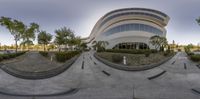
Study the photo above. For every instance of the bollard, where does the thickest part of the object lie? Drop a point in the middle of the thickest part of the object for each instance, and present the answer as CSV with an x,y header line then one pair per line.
x,y
51,58
124,60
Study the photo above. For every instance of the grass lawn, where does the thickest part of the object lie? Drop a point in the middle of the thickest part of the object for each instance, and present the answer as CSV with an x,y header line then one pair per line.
x,y
135,59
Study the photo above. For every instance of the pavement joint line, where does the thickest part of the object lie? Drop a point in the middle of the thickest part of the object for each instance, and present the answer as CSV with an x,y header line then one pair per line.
x,y
133,93
82,67
157,75
173,62
185,66
106,73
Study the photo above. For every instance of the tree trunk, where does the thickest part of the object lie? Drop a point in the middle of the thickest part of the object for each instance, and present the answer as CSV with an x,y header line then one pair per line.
x,y
16,46
59,48
27,46
44,48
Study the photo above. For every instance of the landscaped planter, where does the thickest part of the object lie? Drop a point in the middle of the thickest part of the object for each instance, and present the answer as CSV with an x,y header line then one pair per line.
x,y
130,68
41,74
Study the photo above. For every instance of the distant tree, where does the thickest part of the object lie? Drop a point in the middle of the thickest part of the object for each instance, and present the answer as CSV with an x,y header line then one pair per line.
x,y
51,46
44,38
198,20
83,46
29,34
15,27
63,36
77,42
190,46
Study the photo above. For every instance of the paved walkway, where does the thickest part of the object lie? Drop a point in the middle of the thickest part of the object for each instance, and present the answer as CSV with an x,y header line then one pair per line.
x,y
94,80
32,61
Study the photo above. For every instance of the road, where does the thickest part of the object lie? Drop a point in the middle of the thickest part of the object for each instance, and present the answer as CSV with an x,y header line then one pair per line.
x,y
94,80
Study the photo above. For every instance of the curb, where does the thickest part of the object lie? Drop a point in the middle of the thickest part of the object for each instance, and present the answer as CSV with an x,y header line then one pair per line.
x,y
68,92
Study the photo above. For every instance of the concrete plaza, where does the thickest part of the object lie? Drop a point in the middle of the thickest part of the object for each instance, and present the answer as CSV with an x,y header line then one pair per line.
x,y
94,80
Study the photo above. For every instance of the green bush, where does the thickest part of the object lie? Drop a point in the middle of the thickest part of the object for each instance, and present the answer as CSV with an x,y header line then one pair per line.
x,y
5,56
101,49
190,53
64,56
45,54
1,58
117,58
11,55
166,53
154,51
195,57
147,54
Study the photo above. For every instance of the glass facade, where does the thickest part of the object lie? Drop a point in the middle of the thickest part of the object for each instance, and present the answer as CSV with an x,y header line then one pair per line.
x,y
131,45
133,27
131,13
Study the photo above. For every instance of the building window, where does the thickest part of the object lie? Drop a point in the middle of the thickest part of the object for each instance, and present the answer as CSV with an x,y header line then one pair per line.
x,y
133,27
131,45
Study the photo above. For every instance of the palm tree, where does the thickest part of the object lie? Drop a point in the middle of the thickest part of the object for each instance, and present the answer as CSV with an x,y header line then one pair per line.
x,y
15,27
163,43
44,38
158,41
100,45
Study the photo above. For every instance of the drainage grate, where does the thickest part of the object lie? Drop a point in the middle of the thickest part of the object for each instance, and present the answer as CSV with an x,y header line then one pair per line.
x,y
185,66
82,67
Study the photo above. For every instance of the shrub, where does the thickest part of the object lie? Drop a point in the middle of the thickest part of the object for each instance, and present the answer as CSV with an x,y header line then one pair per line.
x,y
147,54
1,58
190,53
195,57
101,49
11,55
166,53
5,56
154,51
117,58
64,56
45,54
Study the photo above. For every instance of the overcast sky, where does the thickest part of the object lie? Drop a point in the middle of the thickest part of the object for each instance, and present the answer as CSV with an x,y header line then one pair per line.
x,y
81,15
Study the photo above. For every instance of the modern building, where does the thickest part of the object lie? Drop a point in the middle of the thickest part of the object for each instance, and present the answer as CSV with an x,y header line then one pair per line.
x,y
129,28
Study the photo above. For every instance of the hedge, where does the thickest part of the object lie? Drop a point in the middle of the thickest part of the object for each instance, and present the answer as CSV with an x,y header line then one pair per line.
x,y
45,54
11,55
195,57
64,56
